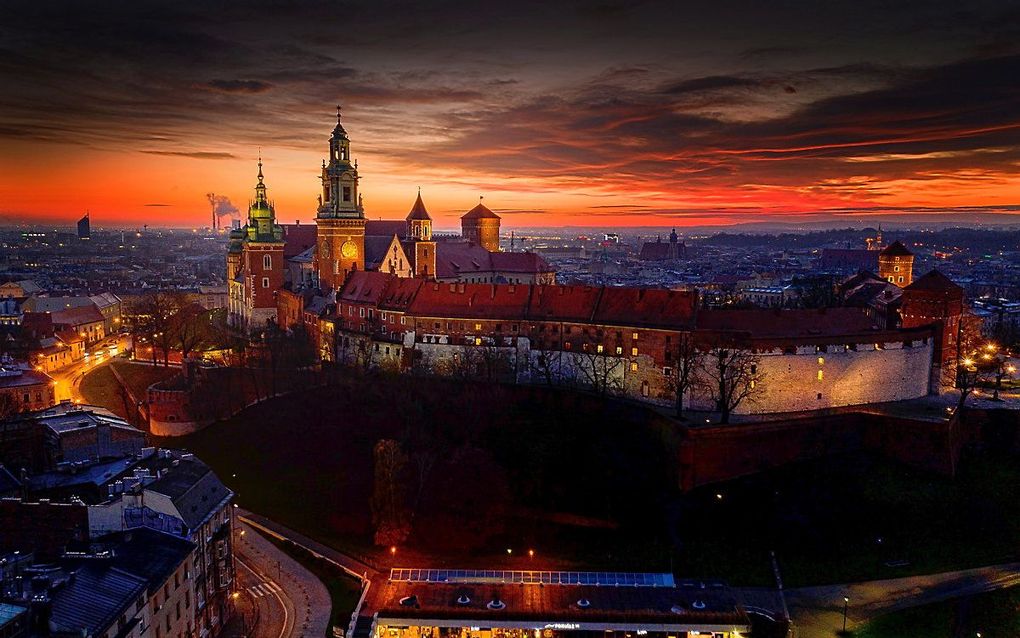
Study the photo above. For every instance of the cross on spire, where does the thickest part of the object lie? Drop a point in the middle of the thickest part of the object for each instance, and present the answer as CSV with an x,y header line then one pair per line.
x,y
260,165
338,108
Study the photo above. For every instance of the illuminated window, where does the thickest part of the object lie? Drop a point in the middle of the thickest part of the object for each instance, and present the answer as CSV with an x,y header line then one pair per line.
x,y
821,361
478,326
600,348
634,336
753,383
633,352
478,341
821,375
619,350
633,367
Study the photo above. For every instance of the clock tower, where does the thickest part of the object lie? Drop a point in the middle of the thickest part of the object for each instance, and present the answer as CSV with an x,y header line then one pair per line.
x,y
341,217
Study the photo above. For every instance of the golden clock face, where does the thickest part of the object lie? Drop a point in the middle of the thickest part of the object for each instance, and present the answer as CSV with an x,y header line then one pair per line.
x,y
349,250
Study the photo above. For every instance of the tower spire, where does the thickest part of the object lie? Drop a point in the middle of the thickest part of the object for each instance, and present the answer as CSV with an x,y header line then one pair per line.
x,y
338,108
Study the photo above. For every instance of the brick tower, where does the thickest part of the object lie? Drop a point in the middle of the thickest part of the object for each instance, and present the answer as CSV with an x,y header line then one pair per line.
x,y
896,264
340,219
934,300
481,226
261,263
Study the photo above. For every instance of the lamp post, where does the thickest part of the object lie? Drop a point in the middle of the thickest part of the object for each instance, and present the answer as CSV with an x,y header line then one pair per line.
x,y
846,603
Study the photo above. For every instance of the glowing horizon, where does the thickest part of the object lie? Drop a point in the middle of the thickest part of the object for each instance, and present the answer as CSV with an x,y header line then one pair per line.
x,y
557,117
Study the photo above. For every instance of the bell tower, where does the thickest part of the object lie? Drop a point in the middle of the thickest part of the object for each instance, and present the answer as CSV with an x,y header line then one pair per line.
x,y
341,217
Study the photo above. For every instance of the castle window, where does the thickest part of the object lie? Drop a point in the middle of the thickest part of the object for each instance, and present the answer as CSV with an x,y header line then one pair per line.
x,y
896,269
361,312
633,352
619,350
634,336
633,367
819,396
478,341
265,282
668,372
600,348
879,346
753,383
267,262
754,368
478,326
347,193
901,279
821,361
403,320
821,375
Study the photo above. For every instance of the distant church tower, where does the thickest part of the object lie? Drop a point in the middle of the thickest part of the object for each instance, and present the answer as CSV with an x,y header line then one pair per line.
x,y
419,231
341,216
896,264
481,226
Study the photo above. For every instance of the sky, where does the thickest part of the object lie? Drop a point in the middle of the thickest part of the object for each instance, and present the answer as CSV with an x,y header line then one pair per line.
x,y
613,113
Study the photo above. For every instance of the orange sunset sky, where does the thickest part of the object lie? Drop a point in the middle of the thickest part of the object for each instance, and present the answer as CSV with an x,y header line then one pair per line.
x,y
607,114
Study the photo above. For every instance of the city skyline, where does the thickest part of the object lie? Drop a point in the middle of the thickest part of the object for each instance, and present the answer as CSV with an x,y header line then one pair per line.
x,y
643,115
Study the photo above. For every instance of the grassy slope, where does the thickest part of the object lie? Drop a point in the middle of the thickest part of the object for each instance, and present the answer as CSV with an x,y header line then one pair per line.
x,y
306,460
992,614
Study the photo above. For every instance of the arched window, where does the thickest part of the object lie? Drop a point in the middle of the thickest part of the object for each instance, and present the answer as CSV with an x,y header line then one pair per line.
x,y
267,262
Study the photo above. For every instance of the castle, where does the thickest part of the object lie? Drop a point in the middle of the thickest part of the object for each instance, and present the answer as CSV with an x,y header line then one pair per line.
x,y
390,293
275,271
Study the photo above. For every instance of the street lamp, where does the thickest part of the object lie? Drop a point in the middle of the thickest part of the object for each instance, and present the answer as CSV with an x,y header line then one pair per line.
x,y
846,603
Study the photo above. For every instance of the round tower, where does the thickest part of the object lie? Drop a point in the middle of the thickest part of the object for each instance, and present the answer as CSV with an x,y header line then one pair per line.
x,y
896,264
481,226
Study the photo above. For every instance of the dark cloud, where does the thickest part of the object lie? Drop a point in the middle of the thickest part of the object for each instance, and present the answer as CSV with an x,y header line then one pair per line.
x,y
214,155
157,205
238,86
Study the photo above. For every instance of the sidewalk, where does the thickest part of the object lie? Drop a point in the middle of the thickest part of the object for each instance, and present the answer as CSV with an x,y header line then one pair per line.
x,y
309,600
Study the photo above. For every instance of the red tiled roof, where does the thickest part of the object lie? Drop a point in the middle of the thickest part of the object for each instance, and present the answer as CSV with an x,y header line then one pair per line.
x,y
69,336
896,249
781,323
934,281
418,211
470,301
365,286
388,227
454,258
297,239
647,307
563,303
77,316
479,212
519,262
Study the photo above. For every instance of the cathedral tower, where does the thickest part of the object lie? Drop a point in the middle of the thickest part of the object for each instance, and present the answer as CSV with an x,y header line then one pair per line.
x,y
481,226
341,216
419,231
259,271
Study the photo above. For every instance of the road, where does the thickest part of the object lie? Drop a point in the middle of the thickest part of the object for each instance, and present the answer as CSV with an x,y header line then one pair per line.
x,y
818,611
68,378
288,600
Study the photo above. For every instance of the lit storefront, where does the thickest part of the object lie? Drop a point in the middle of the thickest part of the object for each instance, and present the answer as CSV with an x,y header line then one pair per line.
x,y
440,603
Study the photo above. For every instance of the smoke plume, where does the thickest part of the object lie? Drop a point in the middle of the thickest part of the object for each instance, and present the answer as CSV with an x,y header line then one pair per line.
x,y
222,206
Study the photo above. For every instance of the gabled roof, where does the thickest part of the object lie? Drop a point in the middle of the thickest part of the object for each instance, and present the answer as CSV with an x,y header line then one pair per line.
x,y
94,599
78,316
896,249
563,303
935,281
365,286
375,250
387,227
646,307
471,301
480,212
418,210
297,238
148,554
193,488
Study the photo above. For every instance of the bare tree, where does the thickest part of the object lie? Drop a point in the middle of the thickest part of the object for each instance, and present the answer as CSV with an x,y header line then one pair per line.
x,y
546,366
390,514
600,370
686,358
189,325
729,375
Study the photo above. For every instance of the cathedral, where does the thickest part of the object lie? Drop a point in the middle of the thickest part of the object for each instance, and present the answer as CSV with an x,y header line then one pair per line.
x,y
280,272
